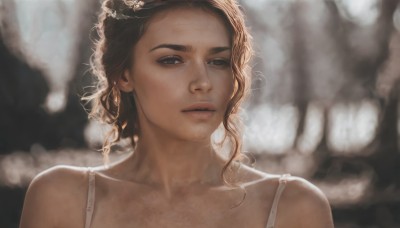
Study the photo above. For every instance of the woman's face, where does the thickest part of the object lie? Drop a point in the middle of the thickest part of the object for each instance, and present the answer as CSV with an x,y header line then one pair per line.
x,y
181,76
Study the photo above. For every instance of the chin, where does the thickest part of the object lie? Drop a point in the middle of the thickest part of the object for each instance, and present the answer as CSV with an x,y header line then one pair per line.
x,y
200,135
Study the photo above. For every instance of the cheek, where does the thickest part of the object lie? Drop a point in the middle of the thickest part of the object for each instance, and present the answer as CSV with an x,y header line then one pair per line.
x,y
226,87
155,88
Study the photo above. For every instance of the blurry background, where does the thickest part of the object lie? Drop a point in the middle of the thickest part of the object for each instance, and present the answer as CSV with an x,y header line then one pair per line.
x,y
324,104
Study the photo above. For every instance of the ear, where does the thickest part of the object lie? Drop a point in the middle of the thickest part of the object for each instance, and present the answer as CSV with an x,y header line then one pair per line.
x,y
125,82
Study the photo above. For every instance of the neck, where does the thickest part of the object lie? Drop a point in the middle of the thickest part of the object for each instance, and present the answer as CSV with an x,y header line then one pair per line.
x,y
173,165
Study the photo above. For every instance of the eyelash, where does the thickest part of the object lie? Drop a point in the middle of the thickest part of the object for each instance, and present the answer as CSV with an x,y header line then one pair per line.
x,y
166,60
172,60
222,62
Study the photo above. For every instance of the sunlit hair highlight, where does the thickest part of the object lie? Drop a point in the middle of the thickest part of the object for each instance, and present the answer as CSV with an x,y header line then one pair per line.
x,y
119,28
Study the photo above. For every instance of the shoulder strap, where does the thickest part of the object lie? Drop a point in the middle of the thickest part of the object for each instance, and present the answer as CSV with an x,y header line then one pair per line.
x,y
90,198
274,208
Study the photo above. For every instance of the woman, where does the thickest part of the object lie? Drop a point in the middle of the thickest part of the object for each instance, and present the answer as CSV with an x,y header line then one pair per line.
x,y
169,73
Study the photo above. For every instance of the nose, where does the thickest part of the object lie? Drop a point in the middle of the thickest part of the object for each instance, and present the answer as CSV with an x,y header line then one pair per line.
x,y
200,82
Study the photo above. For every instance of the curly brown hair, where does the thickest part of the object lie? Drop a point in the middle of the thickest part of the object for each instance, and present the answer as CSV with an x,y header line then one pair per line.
x,y
120,26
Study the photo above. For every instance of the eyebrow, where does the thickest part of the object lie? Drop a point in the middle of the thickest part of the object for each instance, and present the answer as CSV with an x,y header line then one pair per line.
x,y
183,48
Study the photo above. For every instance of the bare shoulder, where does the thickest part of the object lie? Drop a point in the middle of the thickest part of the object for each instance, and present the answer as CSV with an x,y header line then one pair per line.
x,y
302,204
58,175
59,179
305,205
53,196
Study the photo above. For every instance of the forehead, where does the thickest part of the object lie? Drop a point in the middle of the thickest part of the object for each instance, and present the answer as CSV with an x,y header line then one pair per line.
x,y
188,26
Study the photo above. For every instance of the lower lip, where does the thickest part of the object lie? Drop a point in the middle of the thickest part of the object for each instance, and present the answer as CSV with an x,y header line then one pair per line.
x,y
203,115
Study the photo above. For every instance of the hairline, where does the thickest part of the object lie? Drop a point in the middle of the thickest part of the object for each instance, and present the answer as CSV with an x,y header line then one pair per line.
x,y
183,5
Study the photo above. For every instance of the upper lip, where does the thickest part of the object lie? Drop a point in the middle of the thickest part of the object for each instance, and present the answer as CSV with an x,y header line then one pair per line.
x,y
204,106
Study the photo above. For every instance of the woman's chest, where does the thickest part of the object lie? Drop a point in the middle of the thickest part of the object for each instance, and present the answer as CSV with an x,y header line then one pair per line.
x,y
178,218
208,210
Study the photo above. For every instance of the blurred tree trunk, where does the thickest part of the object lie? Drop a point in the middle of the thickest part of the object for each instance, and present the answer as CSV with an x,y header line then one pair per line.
x,y
23,89
74,116
368,69
301,81
386,161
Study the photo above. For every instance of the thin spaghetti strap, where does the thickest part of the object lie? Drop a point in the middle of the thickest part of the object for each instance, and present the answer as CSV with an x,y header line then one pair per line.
x,y
90,198
274,208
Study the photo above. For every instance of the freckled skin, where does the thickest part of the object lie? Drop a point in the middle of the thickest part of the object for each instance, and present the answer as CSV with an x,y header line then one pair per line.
x,y
173,177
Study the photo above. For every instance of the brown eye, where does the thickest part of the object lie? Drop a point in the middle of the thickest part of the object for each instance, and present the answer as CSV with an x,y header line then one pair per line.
x,y
220,62
170,60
